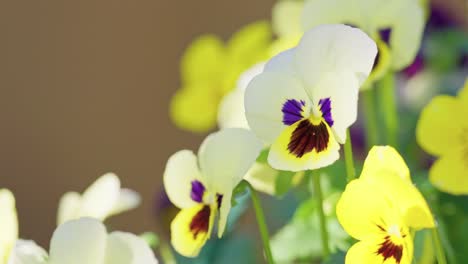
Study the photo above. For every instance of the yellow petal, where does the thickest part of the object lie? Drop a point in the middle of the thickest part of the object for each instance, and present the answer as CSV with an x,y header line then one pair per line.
x,y
194,109
463,95
203,60
449,173
386,168
281,157
365,252
191,228
438,129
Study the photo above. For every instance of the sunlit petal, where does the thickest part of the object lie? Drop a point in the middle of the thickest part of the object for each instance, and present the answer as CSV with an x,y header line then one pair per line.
x,y
99,199
69,207
8,224
126,248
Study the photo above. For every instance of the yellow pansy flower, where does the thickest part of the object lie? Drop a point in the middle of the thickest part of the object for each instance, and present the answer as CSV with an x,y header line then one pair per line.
x,y
380,208
102,199
210,69
202,186
8,225
306,97
442,131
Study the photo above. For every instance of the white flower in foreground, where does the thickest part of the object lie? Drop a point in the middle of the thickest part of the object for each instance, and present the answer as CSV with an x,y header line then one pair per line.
x,y
8,224
86,241
102,199
202,186
306,98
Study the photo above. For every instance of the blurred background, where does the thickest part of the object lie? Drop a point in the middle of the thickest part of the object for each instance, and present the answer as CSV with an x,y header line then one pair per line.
x,y
85,89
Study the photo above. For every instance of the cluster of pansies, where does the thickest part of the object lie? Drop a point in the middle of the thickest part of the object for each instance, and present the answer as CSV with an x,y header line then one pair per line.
x,y
284,96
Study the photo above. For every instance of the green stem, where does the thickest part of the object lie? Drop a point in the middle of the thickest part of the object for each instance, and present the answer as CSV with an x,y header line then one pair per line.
x,y
438,246
349,160
388,103
261,222
323,220
372,136
166,254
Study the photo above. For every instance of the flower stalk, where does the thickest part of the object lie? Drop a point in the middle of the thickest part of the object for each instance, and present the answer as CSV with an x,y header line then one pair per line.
x,y
440,254
315,175
370,121
349,159
261,222
388,102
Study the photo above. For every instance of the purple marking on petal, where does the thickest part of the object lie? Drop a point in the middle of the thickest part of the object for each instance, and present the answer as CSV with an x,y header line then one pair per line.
x,y
325,108
292,111
219,199
197,191
385,35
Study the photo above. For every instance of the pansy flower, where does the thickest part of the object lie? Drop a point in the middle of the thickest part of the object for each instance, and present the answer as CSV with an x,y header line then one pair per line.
x,y
210,69
202,186
102,199
306,98
442,131
381,208
86,241
8,225
396,26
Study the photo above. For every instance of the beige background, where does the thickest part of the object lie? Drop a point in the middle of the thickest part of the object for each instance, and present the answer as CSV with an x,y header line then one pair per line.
x,y
84,89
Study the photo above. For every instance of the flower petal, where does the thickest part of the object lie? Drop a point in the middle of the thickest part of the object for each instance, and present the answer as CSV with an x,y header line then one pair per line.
x,y
264,100
262,177
362,208
181,170
407,31
438,129
283,157
28,252
365,252
78,241
286,17
282,62
342,89
126,248
99,198
69,207
448,173
334,48
386,168
128,200
191,228
319,12
9,223
226,156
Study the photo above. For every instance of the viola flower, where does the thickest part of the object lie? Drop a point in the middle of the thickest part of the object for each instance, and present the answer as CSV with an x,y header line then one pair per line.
x,y
102,199
210,70
8,226
442,131
202,186
86,241
306,98
396,26
380,208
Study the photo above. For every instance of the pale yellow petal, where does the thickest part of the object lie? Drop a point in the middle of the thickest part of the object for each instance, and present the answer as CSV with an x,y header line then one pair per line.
x,y
450,173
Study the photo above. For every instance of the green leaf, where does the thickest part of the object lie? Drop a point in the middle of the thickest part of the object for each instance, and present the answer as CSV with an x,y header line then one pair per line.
x,y
263,157
151,238
283,182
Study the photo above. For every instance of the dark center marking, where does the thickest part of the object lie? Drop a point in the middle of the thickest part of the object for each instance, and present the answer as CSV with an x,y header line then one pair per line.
x,y
307,137
388,249
200,222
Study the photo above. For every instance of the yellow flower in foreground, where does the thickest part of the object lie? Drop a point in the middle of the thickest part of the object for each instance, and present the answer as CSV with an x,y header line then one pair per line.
x,y
102,199
442,131
202,186
380,208
8,225
210,69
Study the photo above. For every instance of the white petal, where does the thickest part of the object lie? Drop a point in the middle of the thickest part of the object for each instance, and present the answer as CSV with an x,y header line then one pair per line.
x,y
100,198
128,200
286,16
249,74
342,88
283,62
8,223
231,111
224,213
319,12
181,170
406,35
126,248
264,99
69,207
78,241
28,252
225,157
334,48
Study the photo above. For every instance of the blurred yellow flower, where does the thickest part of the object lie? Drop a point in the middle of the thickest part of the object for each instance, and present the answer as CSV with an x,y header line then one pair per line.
x,y
442,131
102,199
380,208
210,69
8,225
